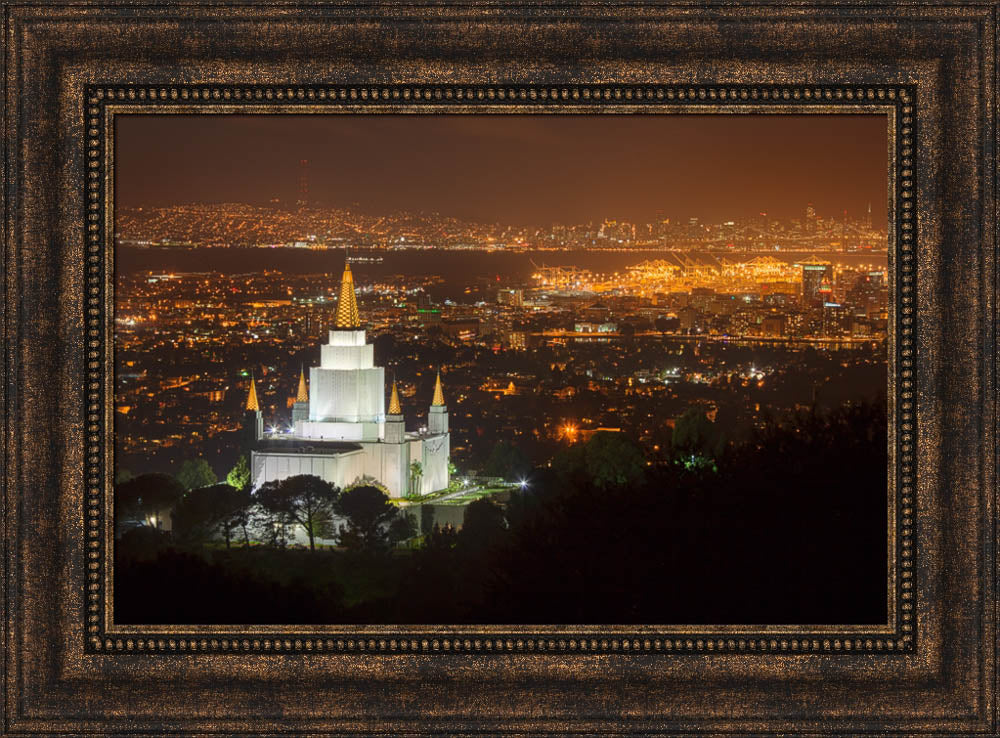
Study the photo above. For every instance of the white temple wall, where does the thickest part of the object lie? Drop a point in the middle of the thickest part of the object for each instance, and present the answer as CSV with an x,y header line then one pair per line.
x,y
437,419
435,453
338,431
342,337
394,463
347,357
339,469
349,396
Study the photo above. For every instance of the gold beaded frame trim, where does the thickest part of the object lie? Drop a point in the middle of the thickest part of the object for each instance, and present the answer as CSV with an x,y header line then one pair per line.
x,y
103,102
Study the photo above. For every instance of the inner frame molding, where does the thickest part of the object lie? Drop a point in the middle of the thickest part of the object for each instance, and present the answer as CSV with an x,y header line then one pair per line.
x,y
102,103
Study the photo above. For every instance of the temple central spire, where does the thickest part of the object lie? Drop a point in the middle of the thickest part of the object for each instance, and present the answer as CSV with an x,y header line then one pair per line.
x,y
347,304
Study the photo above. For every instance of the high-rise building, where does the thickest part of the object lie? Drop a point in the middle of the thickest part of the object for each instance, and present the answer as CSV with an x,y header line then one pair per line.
x,y
303,200
511,297
810,223
815,275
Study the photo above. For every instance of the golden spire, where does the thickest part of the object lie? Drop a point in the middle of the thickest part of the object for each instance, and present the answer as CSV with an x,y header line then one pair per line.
x,y
303,394
438,400
252,397
347,305
394,407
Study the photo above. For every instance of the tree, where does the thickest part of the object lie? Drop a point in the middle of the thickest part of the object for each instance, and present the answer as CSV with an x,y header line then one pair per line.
x,y
140,544
147,499
484,526
507,461
304,500
239,475
236,515
402,528
416,474
247,517
426,519
441,539
570,464
369,514
270,528
696,438
195,473
608,459
207,512
613,459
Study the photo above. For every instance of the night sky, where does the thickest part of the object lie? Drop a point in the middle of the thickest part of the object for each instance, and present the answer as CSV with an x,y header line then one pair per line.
x,y
514,169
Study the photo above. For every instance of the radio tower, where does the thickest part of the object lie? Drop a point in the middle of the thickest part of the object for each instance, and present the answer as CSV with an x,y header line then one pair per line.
x,y
303,200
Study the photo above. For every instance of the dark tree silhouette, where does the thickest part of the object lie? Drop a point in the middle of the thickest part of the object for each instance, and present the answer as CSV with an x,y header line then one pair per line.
x,y
205,513
789,528
484,527
426,519
695,435
369,514
304,500
804,506
606,460
147,496
507,461
402,528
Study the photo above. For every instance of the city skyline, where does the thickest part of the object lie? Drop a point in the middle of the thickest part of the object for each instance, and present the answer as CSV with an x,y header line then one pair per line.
x,y
336,407
228,225
528,170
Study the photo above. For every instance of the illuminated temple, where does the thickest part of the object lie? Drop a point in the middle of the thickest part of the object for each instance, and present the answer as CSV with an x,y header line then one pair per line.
x,y
341,430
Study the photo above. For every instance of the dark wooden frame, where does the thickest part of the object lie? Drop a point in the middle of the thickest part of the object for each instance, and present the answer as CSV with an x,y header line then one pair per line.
x,y
68,670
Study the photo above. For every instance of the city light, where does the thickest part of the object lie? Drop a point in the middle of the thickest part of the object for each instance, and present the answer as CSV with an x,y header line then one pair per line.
x,y
629,342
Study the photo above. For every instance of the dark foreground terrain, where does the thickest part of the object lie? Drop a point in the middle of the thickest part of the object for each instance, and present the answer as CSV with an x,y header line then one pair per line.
x,y
790,527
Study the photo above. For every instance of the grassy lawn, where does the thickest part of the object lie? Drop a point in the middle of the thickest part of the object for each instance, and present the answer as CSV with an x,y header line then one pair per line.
x,y
476,494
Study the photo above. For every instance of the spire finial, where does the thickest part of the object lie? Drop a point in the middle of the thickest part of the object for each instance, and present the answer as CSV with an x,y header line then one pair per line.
x,y
303,393
438,400
394,406
252,403
347,304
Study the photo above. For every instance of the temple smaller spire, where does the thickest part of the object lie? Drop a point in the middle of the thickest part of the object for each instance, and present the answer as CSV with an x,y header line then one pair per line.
x,y
252,403
303,393
394,406
438,400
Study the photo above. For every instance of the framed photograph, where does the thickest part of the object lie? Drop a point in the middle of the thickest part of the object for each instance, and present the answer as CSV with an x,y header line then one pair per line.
x,y
466,370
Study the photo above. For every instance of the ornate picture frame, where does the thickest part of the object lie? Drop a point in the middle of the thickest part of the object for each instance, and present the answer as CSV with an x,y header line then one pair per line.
x,y
71,69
